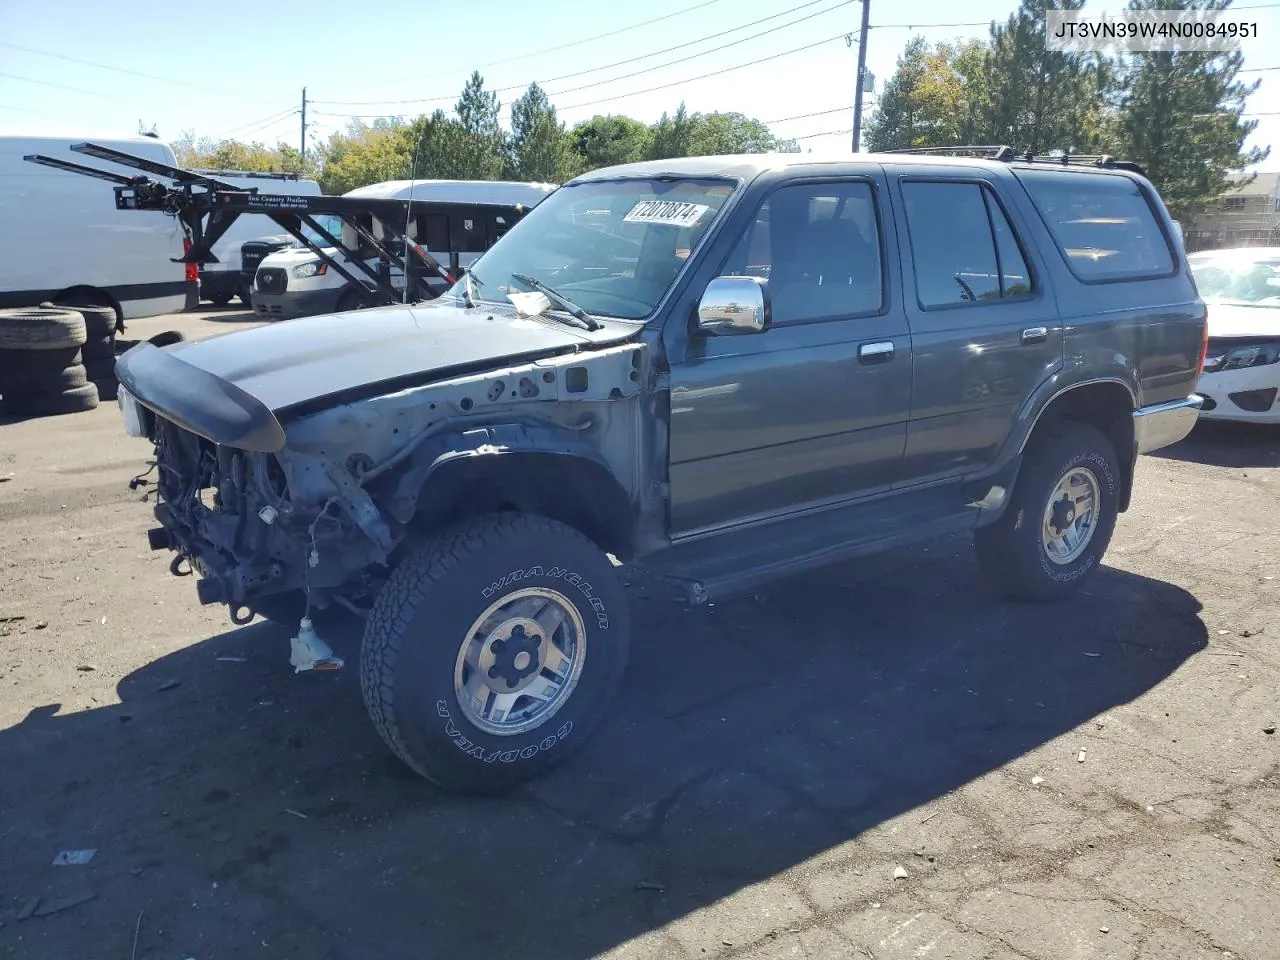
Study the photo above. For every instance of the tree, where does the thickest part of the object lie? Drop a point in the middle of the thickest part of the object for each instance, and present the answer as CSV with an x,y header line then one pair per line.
x,y
670,136
1040,100
607,141
209,154
924,103
1181,118
712,134
482,147
540,148
709,134
365,155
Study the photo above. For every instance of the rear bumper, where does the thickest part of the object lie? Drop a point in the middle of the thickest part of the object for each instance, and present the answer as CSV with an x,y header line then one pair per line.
x,y
285,306
1164,424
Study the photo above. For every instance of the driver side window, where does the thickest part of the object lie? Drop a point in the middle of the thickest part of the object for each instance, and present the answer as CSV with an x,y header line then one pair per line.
x,y
818,244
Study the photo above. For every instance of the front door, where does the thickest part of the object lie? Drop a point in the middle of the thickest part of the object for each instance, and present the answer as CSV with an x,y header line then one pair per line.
x,y
813,410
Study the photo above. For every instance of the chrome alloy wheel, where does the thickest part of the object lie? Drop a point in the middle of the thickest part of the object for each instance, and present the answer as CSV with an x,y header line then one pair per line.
x,y
520,661
1070,516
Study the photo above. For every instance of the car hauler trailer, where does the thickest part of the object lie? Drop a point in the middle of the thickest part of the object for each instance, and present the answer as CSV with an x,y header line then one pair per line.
x,y
378,235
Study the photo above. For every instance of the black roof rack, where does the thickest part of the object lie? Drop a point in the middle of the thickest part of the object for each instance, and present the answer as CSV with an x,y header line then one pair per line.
x,y
1005,153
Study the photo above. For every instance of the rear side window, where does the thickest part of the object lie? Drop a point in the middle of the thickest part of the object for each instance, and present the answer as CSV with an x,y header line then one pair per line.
x,y
1104,225
962,246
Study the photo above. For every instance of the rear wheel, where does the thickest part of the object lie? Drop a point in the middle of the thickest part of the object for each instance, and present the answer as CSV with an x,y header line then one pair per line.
x,y
1060,518
493,651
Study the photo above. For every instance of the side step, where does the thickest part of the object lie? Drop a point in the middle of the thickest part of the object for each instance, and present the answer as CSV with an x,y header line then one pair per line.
x,y
718,566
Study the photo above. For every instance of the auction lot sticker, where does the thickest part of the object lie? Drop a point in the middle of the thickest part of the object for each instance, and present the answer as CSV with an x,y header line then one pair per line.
x,y
669,213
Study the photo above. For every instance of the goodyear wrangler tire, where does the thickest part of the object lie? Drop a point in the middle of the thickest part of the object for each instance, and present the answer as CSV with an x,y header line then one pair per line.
x,y
1060,519
493,651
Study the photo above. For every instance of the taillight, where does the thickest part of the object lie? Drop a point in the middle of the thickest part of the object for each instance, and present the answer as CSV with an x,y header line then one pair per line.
x,y
1204,348
193,271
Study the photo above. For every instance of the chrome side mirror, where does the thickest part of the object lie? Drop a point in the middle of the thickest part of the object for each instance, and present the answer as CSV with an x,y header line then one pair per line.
x,y
734,305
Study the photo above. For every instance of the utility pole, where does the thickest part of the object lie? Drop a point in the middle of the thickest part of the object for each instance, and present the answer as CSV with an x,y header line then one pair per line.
x,y
302,146
862,72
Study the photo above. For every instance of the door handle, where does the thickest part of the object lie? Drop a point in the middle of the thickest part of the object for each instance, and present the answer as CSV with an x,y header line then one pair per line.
x,y
1035,335
881,352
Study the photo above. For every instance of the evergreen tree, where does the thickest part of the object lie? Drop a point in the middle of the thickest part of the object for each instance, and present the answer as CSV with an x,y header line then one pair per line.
x,y
1040,100
540,148
1181,118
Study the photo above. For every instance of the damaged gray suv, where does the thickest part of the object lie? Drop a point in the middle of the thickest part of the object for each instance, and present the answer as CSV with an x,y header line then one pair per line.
x,y
718,370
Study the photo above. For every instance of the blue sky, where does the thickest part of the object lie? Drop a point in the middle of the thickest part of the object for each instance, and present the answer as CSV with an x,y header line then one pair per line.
x,y
223,73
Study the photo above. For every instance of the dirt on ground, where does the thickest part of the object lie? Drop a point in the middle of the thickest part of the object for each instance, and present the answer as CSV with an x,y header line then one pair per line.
x,y
882,759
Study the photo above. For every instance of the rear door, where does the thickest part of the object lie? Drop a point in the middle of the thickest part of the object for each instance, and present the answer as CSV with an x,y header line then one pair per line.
x,y
984,324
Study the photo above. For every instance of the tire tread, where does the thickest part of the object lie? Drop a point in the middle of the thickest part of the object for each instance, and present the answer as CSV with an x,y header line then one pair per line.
x,y
405,590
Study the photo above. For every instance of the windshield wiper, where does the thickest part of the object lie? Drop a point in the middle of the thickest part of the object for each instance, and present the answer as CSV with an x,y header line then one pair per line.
x,y
575,311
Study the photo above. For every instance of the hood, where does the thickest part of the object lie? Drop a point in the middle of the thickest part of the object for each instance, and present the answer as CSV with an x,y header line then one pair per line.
x,y
1227,320
293,255
293,362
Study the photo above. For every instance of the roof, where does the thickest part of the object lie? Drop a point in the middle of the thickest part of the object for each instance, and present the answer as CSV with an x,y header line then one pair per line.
x,y
455,191
747,166
1264,184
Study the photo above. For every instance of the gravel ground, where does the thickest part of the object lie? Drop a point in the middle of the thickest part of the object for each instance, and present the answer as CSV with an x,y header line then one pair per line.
x,y
878,760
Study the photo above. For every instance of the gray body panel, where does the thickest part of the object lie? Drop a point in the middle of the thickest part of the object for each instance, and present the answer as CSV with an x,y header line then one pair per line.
x,y
727,459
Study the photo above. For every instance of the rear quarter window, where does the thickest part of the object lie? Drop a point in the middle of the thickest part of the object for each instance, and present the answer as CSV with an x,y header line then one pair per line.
x,y
1103,224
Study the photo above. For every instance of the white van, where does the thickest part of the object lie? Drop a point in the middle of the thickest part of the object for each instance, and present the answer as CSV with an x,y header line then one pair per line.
x,y
220,281
297,283
62,238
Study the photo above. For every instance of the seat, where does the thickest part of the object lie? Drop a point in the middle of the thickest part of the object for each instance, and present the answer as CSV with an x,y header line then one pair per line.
x,y
830,270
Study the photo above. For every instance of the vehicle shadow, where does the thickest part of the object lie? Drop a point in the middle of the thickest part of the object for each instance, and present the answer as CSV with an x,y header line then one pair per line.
x,y
1227,444
244,807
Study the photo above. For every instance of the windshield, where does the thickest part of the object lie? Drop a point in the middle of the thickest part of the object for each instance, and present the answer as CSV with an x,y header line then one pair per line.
x,y
1241,278
612,247
329,223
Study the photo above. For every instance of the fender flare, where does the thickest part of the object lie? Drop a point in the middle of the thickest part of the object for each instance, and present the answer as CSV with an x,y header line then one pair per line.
x,y
439,454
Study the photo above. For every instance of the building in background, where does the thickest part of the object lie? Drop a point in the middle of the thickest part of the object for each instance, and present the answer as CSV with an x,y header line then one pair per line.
x,y
1247,217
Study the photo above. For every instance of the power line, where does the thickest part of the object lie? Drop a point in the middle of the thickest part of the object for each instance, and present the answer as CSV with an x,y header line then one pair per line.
x,y
704,76
107,66
280,115
578,43
805,116
60,86
36,113
636,93
645,56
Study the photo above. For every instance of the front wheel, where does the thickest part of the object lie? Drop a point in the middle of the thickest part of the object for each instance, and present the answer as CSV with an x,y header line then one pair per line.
x,y
1059,522
493,651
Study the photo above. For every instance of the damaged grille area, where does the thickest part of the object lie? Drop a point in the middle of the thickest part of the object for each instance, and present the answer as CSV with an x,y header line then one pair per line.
x,y
232,515
216,503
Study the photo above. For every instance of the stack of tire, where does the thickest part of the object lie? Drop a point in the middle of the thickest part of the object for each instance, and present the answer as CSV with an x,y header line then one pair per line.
x,y
42,370
99,349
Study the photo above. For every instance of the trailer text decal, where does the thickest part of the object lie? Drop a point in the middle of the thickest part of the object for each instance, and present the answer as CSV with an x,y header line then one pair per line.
x,y
667,212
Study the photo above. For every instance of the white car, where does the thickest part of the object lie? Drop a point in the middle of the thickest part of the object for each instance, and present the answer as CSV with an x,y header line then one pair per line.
x,y
1241,377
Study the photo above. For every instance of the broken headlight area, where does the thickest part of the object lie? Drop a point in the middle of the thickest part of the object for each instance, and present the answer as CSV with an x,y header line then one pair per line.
x,y
230,514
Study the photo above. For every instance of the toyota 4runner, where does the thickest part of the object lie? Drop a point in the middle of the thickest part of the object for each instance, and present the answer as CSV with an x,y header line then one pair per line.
x,y
719,370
